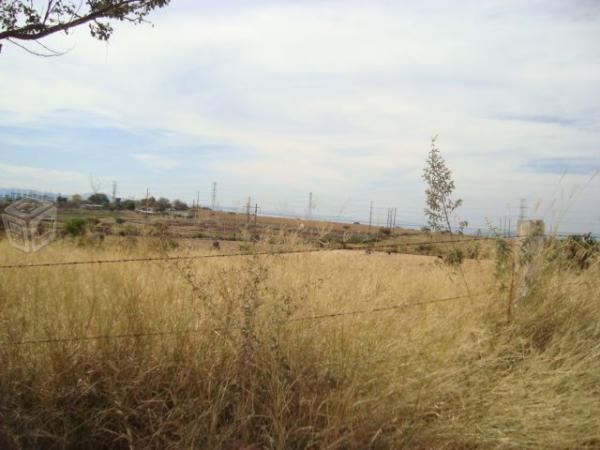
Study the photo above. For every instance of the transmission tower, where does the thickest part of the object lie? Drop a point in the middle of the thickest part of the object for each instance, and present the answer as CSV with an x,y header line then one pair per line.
x,y
522,208
114,191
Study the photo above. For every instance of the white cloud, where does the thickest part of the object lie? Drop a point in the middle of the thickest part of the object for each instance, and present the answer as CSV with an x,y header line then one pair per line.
x,y
28,177
157,162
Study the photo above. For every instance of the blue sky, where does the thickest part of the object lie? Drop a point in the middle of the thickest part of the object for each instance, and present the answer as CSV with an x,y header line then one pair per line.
x,y
276,99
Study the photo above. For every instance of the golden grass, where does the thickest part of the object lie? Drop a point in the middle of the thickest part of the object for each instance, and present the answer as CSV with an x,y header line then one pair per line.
x,y
455,374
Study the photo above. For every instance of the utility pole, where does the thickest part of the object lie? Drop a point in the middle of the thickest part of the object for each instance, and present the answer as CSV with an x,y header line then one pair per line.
x,y
147,195
394,221
248,207
255,214
370,216
114,192
213,202
310,206
197,210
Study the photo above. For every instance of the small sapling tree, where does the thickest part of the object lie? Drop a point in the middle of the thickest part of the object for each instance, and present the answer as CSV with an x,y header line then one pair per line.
x,y
440,186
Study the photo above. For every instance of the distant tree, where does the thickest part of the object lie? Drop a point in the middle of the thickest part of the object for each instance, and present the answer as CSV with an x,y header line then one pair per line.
x,y
149,202
128,205
95,184
75,227
75,200
61,201
162,204
440,186
99,199
26,20
180,206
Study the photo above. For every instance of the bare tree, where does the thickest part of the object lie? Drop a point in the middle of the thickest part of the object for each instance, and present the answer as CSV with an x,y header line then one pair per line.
x,y
95,184
440,186
25,20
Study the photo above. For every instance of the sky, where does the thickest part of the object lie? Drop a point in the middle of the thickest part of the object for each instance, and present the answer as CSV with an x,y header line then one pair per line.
x,y
277,99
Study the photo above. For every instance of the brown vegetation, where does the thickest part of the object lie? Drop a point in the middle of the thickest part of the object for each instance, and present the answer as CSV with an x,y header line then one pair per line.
x,y
243,357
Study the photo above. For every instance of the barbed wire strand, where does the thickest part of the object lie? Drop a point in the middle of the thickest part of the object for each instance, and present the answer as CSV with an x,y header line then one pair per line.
x,y
198,330
157,258
221,255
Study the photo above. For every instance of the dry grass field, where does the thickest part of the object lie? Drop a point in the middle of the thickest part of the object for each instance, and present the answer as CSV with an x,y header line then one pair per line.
x,y
333,349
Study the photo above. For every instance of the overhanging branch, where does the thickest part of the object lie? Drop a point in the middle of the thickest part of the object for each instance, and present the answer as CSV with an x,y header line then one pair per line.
x,y
40,30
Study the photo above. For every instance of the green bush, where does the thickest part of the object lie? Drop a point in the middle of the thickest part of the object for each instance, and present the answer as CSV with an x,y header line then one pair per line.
x,y
578,251
120,220
75,227
455,257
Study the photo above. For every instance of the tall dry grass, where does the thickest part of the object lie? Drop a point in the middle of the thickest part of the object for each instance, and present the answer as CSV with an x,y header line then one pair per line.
x,y
240,371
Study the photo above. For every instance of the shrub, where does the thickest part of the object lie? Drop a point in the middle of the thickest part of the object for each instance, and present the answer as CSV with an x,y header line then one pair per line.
x,y
579,250
91,221
358,239
423,248
474,251
120,220
455,257
75,227
129,230
504,263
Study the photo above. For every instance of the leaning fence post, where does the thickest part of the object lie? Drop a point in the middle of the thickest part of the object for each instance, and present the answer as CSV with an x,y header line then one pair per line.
x,y
531,234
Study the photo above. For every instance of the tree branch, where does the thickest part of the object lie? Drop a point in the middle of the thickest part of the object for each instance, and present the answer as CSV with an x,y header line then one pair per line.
x,y
24,34
52,53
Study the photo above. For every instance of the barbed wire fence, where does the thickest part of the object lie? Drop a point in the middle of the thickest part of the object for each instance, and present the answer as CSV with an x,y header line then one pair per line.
x,y
395,307
162,333
337,314
239,254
